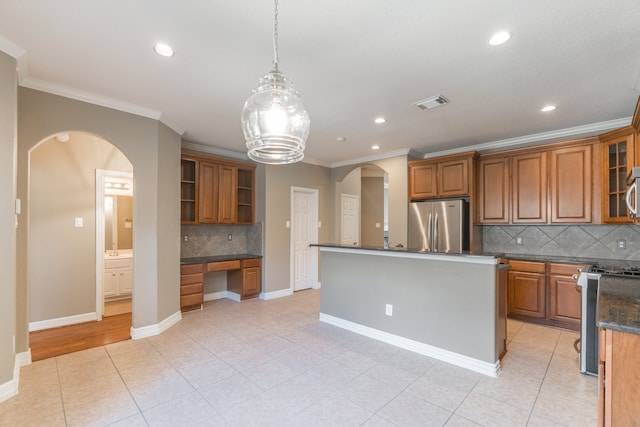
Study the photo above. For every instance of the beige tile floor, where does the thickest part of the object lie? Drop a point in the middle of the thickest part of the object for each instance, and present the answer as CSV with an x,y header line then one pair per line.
x,y
272,363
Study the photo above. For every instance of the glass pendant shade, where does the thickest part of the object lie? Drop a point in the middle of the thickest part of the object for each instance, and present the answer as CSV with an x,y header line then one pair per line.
x,y
275,122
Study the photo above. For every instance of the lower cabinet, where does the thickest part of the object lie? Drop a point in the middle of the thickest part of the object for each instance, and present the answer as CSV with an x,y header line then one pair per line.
x,y
191,287
117,278
619,378
544,292
247,281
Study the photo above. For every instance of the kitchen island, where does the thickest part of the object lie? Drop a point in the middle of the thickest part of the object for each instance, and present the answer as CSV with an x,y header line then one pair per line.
x,y
451,307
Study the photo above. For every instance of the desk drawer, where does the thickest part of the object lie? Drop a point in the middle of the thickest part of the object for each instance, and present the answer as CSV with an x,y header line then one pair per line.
x,y
223,265
253,262
191,269
195,288
187,279
193,299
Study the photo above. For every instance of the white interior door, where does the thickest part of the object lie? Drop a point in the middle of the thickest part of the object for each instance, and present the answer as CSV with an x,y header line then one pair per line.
x,y
350,224
305,232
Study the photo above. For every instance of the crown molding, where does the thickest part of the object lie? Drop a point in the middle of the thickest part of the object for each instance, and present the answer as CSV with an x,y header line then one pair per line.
x,y
539,138
381,156
201,148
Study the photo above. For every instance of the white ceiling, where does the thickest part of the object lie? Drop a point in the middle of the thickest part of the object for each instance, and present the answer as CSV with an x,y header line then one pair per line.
x,y
351,61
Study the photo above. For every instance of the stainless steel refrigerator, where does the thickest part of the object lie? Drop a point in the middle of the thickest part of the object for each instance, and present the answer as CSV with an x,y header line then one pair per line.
x,y
439,226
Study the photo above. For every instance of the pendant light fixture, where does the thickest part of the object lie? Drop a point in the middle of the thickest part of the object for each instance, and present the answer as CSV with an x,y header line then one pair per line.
x,y
274,120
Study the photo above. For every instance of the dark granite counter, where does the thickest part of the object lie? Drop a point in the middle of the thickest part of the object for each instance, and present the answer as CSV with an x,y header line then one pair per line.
x,y
465,254
216,258
619,304
571,260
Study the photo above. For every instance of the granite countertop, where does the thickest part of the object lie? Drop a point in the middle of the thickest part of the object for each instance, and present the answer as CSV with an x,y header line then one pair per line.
x,y
619,304
571,260
403,250
216,258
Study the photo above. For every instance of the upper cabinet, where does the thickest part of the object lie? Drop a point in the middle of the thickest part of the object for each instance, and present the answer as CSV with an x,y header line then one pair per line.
x,y
216,191
544,185
618,157
448,176
493,190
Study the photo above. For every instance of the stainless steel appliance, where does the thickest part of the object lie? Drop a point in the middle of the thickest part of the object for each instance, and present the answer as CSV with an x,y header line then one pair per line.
x,y
439,226
633,181
589,279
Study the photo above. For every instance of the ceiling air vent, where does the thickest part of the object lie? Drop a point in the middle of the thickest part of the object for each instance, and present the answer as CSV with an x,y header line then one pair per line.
x,y
431,102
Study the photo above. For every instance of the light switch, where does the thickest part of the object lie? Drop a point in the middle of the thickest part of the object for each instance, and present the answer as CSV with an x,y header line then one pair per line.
x,y
287,224
79,222
18,206
319,224
377,225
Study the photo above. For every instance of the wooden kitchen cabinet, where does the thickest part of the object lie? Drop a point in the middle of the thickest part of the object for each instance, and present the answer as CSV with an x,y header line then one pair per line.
x,y
570,184
191,287
618,159
565,302
526,289
216,191
442,177
493,186
619,378
529,187
544,292
118,278
246,281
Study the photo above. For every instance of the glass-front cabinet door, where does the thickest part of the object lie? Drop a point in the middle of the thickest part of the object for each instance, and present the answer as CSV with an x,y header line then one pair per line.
x,y
618,156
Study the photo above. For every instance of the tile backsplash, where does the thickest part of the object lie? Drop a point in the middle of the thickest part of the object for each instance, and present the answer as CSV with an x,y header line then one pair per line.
x,y
212,239
583,241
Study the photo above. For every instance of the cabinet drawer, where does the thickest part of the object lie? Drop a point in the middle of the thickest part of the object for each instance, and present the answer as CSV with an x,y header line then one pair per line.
x,y
191,268
528,266
118,263
564,269
253,262
188,279
223,265
193,299
194,288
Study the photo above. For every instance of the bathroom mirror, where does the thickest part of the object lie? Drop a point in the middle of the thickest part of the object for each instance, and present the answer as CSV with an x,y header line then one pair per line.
x,y
118,222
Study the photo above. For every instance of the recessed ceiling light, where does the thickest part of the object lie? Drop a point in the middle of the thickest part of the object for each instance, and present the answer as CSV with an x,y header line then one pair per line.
x,y
547,108
375,147
380,120
499,38
163,49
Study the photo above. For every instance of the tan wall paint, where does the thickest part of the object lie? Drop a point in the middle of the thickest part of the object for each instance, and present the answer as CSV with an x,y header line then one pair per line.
x,y
61,256
8,149
372,211
153,150
278,183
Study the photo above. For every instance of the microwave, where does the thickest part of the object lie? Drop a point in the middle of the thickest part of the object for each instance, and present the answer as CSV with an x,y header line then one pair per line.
x,y
633,191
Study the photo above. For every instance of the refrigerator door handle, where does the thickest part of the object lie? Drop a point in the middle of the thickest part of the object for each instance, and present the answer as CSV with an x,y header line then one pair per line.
x,y
435,234
429,245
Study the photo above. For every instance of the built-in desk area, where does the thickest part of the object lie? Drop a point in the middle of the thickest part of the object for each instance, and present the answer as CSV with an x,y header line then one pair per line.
x,y
244,272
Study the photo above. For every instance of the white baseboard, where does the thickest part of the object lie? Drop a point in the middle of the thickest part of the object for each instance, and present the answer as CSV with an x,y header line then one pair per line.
x,y
157,329
62,321
11,387
318,285
215,295
486,368
233,296
276,294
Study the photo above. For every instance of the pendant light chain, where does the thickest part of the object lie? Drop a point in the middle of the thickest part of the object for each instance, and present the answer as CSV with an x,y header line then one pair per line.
x,y
275,35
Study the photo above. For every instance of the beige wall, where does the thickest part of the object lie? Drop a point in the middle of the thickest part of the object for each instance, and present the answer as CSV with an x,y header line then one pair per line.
x,y
61,256
396,168
372,211
278,181
8,121
154,151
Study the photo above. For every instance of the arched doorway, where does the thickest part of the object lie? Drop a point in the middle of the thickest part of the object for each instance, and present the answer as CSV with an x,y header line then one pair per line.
x,y
63,257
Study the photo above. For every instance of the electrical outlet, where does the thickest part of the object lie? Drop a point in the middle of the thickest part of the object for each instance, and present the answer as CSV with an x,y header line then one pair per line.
x,y
388,310
229,237
622,244
185,237
519,240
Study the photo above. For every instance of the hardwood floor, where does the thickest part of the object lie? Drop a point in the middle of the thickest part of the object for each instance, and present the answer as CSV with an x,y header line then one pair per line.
x,y
68,339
